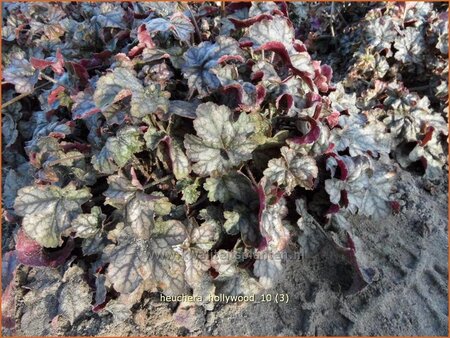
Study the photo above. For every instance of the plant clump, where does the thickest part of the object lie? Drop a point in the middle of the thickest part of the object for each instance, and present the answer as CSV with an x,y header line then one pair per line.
x,y
189,149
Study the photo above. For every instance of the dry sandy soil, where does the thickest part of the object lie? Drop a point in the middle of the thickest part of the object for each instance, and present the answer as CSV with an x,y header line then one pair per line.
x,y
409,297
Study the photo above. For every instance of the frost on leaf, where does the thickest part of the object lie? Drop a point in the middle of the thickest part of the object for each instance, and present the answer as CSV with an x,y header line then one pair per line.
x,y
221,143
49,210
121,83
132,261
292,170
118,150
178,23
201,59
140,209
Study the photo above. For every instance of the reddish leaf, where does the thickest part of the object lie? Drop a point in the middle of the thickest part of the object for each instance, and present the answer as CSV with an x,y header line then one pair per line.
x,y
57,66
250,21
323,75
9,306
395,205
285,101
310,137
333,119
54,94
280,49
30,253
427,137
227,58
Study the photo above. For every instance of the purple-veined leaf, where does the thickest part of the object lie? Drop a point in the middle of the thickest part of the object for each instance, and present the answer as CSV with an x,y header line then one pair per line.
x,y
220,144
118,150
140,209
367,191
132,261
201,59
178,23
49,210
75,296
292,170
122,83
409,46
22,75
229,186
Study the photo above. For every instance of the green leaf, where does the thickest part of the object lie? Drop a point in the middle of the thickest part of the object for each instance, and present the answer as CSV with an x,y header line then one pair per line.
x,y
133,261
292,170
148,100
22,74
242,220
121,83
268,268
49,210
180,162
230,186
153,137
118,150
189,190
88,225
140,209
368,190
235,281
221,144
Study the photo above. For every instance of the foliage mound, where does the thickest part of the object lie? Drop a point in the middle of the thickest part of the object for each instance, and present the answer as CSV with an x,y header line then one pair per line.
x,y
162,147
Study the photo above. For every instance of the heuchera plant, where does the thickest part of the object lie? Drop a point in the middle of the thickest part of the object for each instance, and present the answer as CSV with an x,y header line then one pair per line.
x,y
175,149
